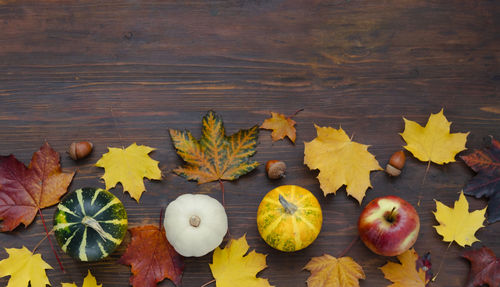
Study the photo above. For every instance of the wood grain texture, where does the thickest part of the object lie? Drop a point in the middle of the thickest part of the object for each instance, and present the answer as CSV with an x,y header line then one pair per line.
x,y
117,72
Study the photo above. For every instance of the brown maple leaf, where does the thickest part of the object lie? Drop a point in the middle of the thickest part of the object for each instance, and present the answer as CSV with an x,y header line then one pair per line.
x,y
486,162
26,190
485,267
151,257
281,125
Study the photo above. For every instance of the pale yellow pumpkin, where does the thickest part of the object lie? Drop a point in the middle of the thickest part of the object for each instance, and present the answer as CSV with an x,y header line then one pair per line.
x,y
289,218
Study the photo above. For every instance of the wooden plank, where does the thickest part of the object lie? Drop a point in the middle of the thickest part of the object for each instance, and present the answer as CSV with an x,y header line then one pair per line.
x,y
119,72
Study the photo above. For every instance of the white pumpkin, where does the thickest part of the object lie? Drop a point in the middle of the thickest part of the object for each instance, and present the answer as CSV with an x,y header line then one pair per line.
x,y
195,224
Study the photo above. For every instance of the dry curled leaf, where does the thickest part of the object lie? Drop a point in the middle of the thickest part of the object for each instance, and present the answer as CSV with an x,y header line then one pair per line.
x,y
457,224
281,125
340,161
406,274
231,265
151,257
26,190
434,142
486,162
328,271
215,156
485,267
129,166
88,281
24,268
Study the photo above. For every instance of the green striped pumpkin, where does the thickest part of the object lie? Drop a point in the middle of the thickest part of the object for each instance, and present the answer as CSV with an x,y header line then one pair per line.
x,y
90,223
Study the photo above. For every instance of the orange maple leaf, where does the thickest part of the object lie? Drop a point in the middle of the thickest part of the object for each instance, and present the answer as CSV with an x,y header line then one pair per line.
x,y
215,156
327,270
26,190
405,274
281,125
151,257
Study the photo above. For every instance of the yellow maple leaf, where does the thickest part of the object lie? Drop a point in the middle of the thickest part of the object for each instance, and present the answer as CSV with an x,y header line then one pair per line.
x,y
230,265
24,267
406,273
457,224
88,281
327,270
340,161
434,142
282,126
129,166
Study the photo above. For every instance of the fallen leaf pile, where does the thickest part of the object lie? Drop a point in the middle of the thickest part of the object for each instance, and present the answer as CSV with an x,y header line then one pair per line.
x,y
231,265
26,190
282,127
129,166
24,268
327,270
458,224
486,162
485,267
215,156
151,257
88,281
405,274
434,142
340,162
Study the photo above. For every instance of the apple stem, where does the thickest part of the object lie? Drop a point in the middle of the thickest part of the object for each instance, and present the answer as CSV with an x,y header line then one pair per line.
x,y
344,252
289,207
390,216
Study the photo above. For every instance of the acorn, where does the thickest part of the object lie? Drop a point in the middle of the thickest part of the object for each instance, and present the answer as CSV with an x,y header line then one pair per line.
x,y
79,150
275,169
396,163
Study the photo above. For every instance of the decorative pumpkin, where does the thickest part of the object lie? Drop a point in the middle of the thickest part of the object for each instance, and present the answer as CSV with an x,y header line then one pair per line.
x,y
90,223
289,218
195,224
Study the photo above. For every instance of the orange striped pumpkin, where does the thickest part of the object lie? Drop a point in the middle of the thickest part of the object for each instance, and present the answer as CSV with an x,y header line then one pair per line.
x,y
289,218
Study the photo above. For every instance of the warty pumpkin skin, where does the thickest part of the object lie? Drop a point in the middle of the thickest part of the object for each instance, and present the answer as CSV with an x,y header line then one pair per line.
x,y
289,218
90,223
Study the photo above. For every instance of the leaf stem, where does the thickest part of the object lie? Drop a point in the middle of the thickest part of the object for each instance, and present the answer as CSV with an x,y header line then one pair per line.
x,y
441,263
426,171
222,189
224,203
50,241
160,226
208,283
344,252
40,242
296,112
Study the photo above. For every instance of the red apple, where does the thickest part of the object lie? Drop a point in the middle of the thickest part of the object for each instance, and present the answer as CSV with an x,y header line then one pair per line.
x,y
389,225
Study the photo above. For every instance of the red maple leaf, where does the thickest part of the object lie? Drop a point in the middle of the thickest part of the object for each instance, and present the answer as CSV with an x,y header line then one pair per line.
x,y
26,190
485,267
151,257
486,162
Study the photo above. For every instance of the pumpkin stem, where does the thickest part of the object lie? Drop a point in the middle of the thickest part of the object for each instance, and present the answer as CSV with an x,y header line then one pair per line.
x,y
289,207
92,223
194,221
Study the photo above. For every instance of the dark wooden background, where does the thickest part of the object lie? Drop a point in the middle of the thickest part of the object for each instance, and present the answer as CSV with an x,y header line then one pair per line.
x,y
118,72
